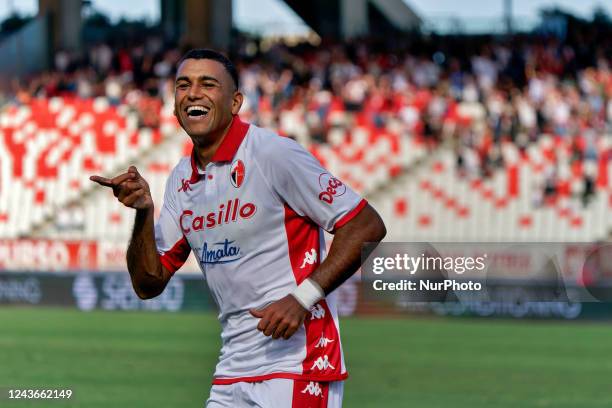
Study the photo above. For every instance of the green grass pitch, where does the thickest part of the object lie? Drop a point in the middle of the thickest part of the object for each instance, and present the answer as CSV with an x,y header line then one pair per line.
x,y
118,359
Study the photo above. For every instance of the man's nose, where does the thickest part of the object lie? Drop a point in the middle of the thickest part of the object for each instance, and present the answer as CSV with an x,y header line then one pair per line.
x,y
195,92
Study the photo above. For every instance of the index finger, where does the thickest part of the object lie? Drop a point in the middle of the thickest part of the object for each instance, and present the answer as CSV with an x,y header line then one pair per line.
x,y
103,181
114,182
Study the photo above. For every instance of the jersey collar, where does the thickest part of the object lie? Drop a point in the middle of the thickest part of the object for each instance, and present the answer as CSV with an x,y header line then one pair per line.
x,y
226,150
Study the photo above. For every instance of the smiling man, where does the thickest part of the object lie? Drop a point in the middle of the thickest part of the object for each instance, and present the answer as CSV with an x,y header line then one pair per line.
x,y
252,206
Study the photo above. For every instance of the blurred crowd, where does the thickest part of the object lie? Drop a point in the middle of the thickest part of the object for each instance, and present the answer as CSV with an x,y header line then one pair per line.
x,y
471,94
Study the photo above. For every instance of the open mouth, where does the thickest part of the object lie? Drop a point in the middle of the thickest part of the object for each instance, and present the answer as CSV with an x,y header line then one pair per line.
x,y
197,111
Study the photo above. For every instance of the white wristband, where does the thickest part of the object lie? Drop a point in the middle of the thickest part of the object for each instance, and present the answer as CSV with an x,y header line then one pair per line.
x,y
308,293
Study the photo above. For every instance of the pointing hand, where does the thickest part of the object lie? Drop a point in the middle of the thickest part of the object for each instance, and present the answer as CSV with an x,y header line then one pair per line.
x,y
130,188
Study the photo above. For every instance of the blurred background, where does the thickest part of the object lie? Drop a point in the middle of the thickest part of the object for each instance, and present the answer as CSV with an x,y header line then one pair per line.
x,y
488,121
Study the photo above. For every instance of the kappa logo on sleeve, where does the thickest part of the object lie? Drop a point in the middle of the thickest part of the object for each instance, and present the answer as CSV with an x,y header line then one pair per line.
x,y
331,186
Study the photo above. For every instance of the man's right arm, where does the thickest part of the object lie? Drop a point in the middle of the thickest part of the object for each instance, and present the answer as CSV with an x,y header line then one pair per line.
x,y
149,276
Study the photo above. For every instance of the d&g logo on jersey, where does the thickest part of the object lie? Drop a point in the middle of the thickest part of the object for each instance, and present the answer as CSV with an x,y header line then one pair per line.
x,y
220,252
332,187
237,173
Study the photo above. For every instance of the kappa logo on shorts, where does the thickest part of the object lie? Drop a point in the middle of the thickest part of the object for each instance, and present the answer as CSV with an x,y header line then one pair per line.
x,y
322,363
317,312
323,341
313,388
332,187
237,173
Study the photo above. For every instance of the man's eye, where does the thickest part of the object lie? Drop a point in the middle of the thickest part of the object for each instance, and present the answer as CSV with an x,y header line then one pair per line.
x,y
182,86
209,85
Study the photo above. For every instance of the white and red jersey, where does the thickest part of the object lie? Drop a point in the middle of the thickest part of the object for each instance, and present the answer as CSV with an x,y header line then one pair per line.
x,y
254,218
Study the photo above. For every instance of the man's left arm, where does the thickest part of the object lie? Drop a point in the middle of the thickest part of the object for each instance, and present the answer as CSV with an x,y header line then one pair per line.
x,y
285,316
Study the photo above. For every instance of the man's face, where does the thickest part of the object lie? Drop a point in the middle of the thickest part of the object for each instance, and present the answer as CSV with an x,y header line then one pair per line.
x,y
205,97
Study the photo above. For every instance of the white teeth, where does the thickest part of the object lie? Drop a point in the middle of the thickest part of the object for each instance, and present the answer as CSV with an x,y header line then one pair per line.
x,y
198,108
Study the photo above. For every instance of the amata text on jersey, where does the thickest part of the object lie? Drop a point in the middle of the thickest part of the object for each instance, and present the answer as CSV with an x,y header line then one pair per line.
x,y
220,252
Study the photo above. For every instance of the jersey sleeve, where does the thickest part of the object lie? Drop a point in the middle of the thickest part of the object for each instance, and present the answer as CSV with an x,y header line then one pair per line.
x,y
302,183
172,246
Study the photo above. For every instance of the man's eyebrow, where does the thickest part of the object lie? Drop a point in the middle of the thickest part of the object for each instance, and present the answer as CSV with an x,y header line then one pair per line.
x,y
201,78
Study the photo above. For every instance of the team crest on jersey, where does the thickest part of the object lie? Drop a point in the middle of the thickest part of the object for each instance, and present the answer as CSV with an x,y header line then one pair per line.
x,y
237,173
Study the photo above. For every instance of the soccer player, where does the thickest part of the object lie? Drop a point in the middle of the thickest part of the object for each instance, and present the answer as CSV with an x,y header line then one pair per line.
x,y
251,205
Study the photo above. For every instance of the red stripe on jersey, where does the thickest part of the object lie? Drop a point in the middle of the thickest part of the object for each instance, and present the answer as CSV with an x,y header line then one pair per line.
x,y
351,214
303,239
323,354
310,394
174,258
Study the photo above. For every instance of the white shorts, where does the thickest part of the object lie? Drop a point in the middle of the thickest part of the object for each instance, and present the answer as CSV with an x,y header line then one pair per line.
x,y
277,393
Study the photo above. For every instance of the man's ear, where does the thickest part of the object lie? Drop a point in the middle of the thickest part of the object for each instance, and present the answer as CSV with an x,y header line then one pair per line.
x,y
237,102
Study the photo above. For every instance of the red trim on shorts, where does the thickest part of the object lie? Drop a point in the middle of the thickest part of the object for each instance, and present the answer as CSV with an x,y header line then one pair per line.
x,y
310,394
174,258
351,214
289,376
